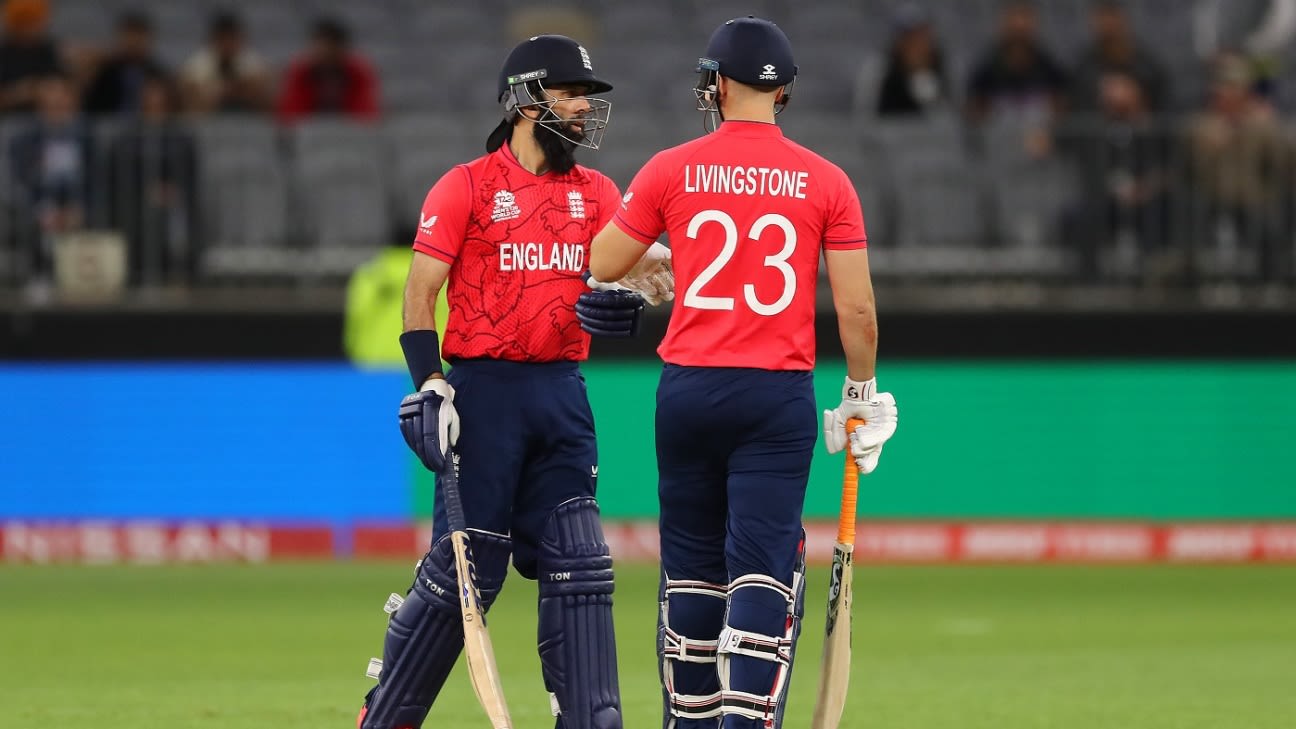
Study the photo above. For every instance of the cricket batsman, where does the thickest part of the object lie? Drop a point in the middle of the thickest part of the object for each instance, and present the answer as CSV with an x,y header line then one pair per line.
x,y
748,213
508,234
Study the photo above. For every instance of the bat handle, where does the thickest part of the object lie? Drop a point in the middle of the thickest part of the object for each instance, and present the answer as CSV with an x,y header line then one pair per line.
x,y
448,480
850,492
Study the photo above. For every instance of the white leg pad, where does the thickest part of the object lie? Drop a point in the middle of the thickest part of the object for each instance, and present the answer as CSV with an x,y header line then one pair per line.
x,y
679,648
773,648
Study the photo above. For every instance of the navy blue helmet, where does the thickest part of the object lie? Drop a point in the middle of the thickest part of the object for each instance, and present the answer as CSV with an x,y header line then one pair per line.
x,y
751,51
540,62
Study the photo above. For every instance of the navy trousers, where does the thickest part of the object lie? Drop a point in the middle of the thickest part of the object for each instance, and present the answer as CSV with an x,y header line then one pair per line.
x,y
526,445
733,454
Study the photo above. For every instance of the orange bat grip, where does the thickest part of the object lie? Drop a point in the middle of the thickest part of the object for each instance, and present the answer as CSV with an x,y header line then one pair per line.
x,y
850,492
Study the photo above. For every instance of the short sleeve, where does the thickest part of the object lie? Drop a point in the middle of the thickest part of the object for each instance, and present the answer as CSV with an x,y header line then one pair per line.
x,y
844,229
444,218
609,198
640,214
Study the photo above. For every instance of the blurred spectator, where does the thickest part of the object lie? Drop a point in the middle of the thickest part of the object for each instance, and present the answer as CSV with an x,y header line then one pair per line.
x,y
329,79
1239,162
118,85
1116,49
51,165
915,79
27,54
1124,157
226,75
1252,26
153,167
1262,29
1017,77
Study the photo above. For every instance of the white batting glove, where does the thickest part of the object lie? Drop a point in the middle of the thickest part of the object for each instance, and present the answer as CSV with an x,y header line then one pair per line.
x,y
447,416
866,441
653,277
598,285
877,410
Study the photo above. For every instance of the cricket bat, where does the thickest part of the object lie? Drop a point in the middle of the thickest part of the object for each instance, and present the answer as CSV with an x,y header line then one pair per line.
x,y
834,673
483,672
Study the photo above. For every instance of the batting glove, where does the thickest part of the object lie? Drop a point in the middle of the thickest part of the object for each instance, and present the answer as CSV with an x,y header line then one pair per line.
x,y
879,413
430,423
653,277
610,311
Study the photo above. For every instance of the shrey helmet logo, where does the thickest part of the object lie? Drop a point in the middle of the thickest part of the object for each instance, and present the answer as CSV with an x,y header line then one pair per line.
x,y
770,73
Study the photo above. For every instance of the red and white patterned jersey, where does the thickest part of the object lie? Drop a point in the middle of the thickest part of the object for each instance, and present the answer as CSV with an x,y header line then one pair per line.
x,y
748,213
517,243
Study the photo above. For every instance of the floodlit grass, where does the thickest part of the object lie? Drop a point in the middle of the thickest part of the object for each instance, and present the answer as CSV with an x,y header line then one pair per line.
x,y
285,646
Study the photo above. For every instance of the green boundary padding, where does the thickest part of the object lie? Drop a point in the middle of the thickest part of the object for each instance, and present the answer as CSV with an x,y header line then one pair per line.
x,y
1074,440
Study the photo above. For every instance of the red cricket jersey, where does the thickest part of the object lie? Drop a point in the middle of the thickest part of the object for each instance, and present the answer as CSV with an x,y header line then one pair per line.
x,y
748,212
517,243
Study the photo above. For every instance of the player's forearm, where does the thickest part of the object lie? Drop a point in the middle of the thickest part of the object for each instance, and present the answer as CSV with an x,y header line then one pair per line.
x,y
852,287
426,277
420,341
419,310
857,325
613,254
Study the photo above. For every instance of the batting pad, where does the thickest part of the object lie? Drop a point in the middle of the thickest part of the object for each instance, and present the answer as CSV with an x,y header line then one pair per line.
x,y
758,645
688,631
425,633
576,641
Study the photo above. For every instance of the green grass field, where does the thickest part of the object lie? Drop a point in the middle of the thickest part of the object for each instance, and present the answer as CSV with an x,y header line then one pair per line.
x,y
285,647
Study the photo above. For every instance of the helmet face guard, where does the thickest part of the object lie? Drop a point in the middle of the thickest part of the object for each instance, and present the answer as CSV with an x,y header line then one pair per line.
x,y
707,92
527,90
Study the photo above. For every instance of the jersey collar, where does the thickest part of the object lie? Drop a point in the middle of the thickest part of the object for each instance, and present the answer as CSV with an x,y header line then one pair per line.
x,y
749,129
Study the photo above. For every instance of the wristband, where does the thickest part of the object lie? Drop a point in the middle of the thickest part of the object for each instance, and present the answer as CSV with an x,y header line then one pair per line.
x,y
422,354
856,390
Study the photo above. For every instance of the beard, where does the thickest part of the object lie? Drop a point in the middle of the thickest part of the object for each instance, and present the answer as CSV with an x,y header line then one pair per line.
x,y
559,151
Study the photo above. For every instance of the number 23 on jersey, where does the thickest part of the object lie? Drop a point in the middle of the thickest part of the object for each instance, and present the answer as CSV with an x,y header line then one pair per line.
x,y
717,300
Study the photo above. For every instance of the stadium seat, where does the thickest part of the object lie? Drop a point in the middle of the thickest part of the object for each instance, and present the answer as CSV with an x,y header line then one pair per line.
x,y
942,205
621,22
275,31
935,140
826,76
339,184
244,190
836,136
633,137
868,84
81,22
836,24
420,148
648,76
708,14
434,25
1030,199
368,22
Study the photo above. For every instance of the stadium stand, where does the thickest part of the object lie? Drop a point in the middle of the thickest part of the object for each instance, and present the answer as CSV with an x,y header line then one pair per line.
x,y
948,198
